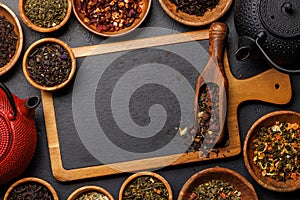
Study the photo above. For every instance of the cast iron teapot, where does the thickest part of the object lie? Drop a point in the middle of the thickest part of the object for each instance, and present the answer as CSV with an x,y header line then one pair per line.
x,y
18,136
270,30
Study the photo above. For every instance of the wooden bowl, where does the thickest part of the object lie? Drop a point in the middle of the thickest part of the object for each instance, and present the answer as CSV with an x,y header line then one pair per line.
x,y
89,188
248,151
145,173
219,173
37,28
31,180
11,17
145,10
42,42
193,20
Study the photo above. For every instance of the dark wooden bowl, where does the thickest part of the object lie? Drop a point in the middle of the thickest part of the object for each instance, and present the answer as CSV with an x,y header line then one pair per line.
x,y
30,180
89,188
145,173
45,41
37,28
219,173
248,152
145,10
193,20
11,17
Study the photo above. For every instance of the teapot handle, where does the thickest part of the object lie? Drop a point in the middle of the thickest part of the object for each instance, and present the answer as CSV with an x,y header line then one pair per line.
x,y
10,98
261,35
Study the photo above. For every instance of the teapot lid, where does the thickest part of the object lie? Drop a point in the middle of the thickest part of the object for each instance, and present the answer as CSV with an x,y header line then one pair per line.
x,y
5,138
275,15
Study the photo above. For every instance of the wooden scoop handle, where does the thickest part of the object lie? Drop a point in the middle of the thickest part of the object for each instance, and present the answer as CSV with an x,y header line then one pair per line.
x,y
214,72
218,32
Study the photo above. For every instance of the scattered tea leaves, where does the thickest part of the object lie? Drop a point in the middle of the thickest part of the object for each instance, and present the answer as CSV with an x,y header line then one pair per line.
x,y
216,190
195,7
46,13
49,64
277,151
146,188
92,195
8,42
208,119
110,15
30,190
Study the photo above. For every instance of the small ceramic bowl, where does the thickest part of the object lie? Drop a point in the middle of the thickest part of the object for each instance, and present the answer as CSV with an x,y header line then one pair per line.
x,y
12,18
32,181
145,7
31,50
137,175
30,24
91,188
219,173
193,20
268,120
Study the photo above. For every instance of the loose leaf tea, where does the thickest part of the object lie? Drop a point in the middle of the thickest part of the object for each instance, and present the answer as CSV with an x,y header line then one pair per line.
x,y
110,15
92,195
32,191
46,13
195,7
216,190
146,188
277,151
208,119
49,64
8,42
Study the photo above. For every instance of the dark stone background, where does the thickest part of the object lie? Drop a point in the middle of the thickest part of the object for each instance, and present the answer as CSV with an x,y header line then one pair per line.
x,y
76,35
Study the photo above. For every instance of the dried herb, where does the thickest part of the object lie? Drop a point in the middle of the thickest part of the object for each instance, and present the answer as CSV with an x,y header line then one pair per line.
x,y
195,7
8,42
110,15
277,151
49,64
208,115
146,188
32,191
215,190
46,13
92,195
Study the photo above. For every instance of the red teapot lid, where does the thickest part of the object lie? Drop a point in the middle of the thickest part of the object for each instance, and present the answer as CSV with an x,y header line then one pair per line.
x,y
274,16
5,138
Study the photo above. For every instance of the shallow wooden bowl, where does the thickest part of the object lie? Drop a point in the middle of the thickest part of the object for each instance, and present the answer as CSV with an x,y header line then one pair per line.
x,y
193,20
30,180
10,16
145,10
248,152
145,173
37,28
41,42
76,193
218,173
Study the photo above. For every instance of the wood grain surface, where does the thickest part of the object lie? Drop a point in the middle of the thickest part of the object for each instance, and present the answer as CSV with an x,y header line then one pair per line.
x,y
214,73
255,88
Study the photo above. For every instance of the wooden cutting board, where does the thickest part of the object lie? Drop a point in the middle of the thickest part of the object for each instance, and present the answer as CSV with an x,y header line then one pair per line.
x,y
258,87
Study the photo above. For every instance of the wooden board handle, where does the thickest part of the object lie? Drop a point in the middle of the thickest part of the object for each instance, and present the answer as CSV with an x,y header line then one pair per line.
x,y
272,86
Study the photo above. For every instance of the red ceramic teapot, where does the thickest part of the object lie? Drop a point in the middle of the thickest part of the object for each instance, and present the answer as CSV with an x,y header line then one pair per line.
x,y
18,136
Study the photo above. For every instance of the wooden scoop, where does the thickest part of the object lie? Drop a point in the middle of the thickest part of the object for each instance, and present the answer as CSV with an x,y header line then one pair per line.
x,y
214,73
